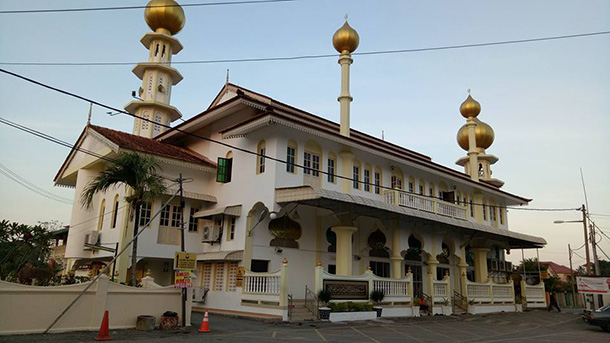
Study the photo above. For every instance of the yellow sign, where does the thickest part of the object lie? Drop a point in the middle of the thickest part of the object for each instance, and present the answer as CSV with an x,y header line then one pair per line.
x,y
239,277
183,279
185,261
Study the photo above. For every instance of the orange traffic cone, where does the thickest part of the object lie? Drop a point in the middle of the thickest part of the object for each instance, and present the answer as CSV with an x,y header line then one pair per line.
x,y
103,335
205,324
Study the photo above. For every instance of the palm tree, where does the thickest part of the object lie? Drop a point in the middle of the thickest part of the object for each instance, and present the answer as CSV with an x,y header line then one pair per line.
x,y
138,172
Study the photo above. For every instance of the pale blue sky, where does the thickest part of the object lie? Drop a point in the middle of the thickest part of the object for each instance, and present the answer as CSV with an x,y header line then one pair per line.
x,y
547,101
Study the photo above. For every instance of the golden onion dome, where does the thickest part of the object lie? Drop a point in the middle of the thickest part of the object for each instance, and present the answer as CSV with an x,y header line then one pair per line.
x,y
164,14
483,133
470,107
346,39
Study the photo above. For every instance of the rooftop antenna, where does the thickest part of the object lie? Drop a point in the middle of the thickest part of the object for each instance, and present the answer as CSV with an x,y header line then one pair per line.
x,y
89,117
382,136
227,82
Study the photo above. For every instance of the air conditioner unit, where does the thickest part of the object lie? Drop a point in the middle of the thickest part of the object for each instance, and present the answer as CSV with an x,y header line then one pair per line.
x,y
509,266
502,266
92,237
211,233
494,264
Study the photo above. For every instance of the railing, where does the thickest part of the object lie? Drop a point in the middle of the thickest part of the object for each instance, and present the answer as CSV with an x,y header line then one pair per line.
x,y
535,295
290,306
392,287
490,292
311,301
460,301
423,203
440,290
396,291
262,283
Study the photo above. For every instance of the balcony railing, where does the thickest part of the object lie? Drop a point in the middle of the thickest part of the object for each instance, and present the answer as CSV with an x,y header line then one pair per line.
x,y
490,292
426,204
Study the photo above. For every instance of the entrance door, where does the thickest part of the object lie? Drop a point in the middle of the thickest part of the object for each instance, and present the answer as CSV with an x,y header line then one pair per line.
x,y
416,269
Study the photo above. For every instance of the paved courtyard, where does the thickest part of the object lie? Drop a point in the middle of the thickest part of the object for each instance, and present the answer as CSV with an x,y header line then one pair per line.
x,y
534,326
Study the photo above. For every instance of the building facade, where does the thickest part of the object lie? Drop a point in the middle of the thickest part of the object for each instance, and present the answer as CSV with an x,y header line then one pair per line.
x,y
281,201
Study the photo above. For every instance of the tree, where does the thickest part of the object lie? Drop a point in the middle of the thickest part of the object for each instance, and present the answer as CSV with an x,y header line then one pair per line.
x,y
531,265
604,267
23,246
139,174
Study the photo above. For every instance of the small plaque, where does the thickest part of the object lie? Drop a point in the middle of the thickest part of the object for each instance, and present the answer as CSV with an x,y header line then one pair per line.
x,y
347,289
185,261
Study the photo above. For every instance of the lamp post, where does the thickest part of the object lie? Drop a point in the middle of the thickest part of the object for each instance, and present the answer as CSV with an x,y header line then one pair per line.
x,y
584,222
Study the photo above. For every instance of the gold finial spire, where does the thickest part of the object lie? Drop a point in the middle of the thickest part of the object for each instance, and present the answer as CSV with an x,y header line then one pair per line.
x,y
468,90
346,39
164,16
89,117
346,15
470,107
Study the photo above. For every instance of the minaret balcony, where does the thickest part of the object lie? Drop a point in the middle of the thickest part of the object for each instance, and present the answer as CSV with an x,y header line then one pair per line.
x,y
141,68
151,36
134,105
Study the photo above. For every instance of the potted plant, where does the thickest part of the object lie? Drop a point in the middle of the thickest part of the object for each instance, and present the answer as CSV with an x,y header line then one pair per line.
x,y
377,296
447,310
324,297
415,307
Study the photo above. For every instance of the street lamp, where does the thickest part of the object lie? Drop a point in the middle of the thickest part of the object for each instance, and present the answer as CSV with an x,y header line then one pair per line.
x,y
584,222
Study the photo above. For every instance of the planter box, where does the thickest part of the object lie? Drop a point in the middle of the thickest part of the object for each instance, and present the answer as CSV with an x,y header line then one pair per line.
x,y
415,310
378,310
324,313
447,310
351,316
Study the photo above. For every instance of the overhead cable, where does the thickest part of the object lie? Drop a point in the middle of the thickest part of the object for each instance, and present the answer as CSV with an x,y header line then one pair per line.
x,y
307,57
244,150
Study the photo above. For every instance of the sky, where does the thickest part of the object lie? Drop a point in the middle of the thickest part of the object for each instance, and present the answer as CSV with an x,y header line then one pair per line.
x,y
547,101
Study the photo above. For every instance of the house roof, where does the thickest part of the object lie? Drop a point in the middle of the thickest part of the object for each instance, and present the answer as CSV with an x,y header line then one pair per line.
x,y
558,268
152,146
302,117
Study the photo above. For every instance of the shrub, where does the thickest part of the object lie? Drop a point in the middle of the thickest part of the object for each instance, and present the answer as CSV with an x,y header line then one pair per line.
x,y
324,296
377,296
350,307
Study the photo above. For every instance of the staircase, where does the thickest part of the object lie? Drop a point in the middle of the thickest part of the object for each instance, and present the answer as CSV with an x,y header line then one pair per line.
x,y
300,313
459,303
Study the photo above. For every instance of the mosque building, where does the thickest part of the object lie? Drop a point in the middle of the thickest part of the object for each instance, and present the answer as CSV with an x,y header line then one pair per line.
x,y
291,203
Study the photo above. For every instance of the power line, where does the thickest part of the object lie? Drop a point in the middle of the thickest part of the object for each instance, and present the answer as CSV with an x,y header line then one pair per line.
x,y
307,57
33,189
244,150
60,198
599,215
116,8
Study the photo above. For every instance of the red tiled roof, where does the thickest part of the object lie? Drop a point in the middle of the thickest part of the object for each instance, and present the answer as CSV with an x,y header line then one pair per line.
x,y
558,268
151,146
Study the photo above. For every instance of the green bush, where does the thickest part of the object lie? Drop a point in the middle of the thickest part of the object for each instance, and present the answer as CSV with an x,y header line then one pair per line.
x,y
350,307
324,296
377,296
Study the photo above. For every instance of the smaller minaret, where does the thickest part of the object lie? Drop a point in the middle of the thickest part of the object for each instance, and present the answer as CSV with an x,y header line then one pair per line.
x,y
345,42
153,111
475,136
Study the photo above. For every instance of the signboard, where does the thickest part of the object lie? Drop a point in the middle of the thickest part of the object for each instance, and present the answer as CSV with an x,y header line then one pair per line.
x,y
185,261
597,285
183,279
347,289
239,277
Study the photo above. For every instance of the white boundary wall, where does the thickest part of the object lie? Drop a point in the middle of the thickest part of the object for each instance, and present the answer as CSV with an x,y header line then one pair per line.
x,y
31,309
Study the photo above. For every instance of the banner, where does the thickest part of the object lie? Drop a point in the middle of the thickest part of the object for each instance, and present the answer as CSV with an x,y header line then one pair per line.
x,y
183,279
597,285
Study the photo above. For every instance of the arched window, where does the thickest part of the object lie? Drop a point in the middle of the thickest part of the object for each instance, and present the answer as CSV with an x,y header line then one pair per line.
x,y
260,159
422,187
377,242
356,175
377,179
413,264
411,184
225,168
100,220
331,168
115,210
331,238
397,178
367,177
311,158
431,190
292,151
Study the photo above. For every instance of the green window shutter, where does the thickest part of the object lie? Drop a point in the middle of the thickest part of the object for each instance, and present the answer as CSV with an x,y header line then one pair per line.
x,y
223,173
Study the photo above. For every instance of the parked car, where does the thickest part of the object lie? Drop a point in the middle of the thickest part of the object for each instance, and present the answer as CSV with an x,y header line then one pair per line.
x,y
600,317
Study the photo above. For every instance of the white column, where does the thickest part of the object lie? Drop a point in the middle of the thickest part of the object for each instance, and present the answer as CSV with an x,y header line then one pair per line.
x,y
344,249
345,60
472,149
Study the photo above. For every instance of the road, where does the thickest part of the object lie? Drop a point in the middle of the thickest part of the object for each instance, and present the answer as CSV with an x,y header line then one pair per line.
x,y
533,326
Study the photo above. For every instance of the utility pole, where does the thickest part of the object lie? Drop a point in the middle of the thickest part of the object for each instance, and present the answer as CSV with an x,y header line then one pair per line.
x,y
572,274
182,249
594,248
584,223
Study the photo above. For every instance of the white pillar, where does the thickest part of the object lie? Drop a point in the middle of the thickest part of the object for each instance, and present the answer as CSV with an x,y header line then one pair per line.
x,y
480,264
344,249
345,60
472,149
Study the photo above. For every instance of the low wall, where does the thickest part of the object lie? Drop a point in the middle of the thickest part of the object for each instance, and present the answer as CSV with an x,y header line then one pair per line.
x,y
31,309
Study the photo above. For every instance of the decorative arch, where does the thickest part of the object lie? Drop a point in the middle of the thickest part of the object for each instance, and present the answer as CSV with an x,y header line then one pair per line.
x,y
331,167
415,249
431,190
356,169
411,185
367,177
422,187
376,242
331,238
286,232
115,210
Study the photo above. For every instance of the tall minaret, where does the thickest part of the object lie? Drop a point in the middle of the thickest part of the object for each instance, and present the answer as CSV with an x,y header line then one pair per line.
x,y
165,18
475,136
345,42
